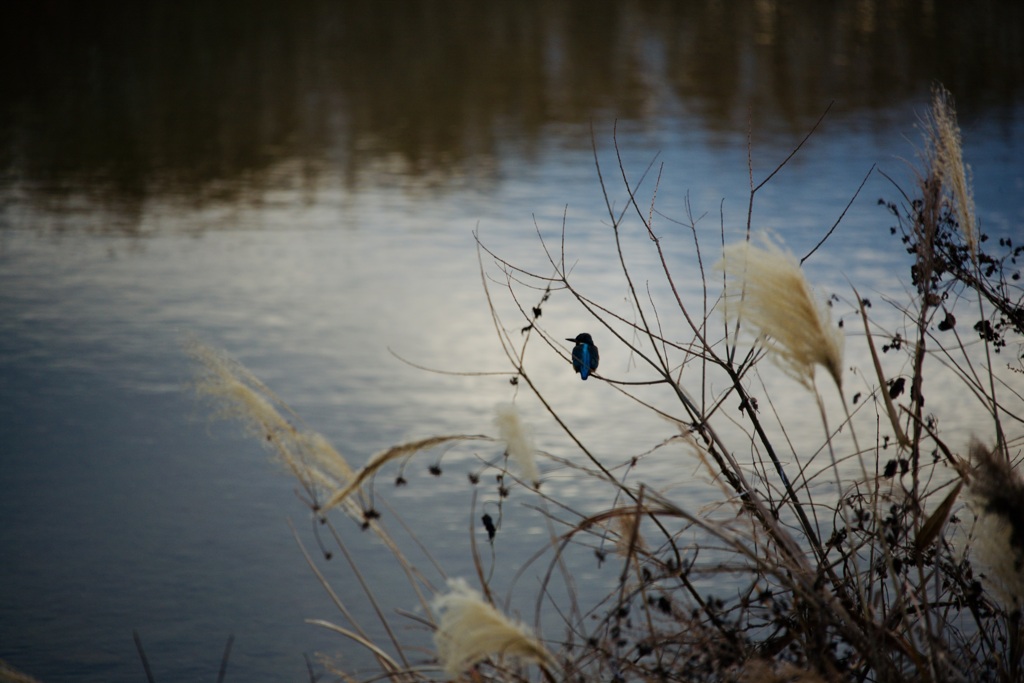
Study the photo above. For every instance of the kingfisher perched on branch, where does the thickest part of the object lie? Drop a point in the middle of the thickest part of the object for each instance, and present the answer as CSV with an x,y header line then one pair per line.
x,y
584,355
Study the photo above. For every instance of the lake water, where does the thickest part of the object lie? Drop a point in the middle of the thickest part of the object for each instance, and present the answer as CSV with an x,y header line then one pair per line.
x,y
300,185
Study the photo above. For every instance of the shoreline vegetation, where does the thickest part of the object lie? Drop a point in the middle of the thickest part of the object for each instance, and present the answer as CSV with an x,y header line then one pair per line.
x,y
911,569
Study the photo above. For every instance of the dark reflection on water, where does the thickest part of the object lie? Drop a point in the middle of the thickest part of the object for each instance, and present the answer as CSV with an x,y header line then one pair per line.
x,y
200,100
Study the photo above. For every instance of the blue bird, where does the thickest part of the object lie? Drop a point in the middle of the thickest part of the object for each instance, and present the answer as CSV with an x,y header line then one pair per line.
x,y
584,355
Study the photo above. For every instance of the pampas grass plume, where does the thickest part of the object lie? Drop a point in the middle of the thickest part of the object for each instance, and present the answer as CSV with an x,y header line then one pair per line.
x,y
242,396
236,391
518,440
998,492
774,297
947,163
471,629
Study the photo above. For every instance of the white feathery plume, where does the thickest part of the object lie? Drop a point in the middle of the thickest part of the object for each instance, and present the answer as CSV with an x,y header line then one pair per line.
x,y
768,290
471,630
241,395
943,134
307,454
518,440
997,490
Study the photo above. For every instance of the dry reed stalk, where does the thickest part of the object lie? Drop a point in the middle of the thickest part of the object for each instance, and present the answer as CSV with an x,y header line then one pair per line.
x,y
396,452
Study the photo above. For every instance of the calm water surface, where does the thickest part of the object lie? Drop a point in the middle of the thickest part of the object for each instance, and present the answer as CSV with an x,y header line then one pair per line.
x,y
301,187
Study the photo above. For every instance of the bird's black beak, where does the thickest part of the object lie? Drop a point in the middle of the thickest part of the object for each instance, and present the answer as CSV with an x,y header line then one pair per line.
x,y
570,339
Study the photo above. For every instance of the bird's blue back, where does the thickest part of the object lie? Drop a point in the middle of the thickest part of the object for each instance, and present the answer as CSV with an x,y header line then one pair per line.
x,y
584,359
